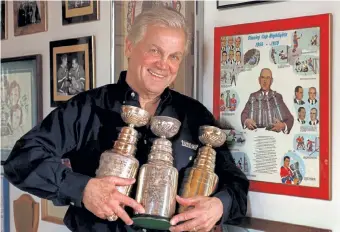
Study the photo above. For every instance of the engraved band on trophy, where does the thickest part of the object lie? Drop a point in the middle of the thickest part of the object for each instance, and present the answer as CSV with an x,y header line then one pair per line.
x,y
120,161
251,113
158,178
201,180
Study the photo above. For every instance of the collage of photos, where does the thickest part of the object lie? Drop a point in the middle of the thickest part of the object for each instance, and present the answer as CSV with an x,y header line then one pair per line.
x,y
259,109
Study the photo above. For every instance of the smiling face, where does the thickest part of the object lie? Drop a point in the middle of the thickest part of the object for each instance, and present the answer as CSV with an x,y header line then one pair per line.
x,y
154,61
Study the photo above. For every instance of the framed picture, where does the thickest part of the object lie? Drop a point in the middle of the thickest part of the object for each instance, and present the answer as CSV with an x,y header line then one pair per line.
x,y
4,20
250,224
52,213
29,17
21,98
5,213
123,15
232,4
72,67
269,97
75,11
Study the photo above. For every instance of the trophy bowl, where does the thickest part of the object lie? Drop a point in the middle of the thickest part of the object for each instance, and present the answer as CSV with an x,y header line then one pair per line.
x,y
212,136
135,116
164,127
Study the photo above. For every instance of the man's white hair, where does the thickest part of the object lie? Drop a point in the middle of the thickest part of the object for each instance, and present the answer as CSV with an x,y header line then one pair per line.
x,y
163,16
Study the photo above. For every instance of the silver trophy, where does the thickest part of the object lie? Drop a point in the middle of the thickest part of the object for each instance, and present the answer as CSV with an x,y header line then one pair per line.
x,y
158,179
259,121
227,99
120,161
252,108
277,105
296,172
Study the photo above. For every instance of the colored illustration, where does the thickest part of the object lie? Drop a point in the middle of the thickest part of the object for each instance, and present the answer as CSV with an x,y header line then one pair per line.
x,y
306,144
242,161
292,169
229,101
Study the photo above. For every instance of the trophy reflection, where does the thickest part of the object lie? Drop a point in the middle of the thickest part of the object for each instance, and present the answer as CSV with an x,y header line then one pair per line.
x,y
157,180
120,161
200,180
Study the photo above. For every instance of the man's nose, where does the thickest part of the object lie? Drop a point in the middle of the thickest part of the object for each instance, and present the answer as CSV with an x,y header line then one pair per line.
x,y
162,64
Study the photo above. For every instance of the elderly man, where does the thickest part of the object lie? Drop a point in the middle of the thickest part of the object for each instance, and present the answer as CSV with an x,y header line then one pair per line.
x,y
268,116
85,126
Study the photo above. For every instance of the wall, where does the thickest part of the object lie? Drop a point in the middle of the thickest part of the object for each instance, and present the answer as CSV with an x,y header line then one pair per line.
x,y
39,44
303,211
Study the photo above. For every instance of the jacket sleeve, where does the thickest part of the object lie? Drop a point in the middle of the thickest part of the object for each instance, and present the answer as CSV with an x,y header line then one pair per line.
x,y
34,164
233,185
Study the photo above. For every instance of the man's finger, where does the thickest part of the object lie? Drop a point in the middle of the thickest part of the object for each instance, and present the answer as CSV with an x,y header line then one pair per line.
x,y
121,213
187,215
191,225
122,181
187,201
127,201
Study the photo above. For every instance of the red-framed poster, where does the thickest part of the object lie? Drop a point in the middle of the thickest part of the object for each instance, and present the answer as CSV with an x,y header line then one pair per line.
x,y
272,95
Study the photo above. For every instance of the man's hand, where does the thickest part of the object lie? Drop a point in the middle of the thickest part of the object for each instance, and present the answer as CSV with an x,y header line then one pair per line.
x,y
250,124
203,215
103,199
278,126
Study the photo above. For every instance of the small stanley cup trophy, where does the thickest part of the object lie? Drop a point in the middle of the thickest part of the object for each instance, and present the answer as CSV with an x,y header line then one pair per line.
x,y
296,172
158,178
201,180
120,161
277,106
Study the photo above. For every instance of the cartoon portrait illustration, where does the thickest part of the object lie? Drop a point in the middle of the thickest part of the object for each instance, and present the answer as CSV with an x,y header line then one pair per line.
x,y
265,108
15,108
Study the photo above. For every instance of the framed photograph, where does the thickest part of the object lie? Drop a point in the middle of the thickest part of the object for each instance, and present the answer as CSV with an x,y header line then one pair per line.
x,y
250,224
5,213
276,110
4,20
78,11
232,4
21,98
72,67
29,17
123,15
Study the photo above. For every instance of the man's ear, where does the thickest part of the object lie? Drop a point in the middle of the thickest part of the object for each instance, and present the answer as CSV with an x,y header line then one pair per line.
x,y
128,47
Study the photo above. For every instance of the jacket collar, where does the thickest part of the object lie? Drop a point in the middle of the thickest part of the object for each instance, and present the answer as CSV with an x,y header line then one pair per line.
x,y
128,95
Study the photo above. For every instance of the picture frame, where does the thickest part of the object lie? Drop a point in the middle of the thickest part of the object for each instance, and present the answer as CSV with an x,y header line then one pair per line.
x,y
29,17
281,140
80,11
52,213
122,16
4,20
233,4
72,68
21,106
5,207
251,224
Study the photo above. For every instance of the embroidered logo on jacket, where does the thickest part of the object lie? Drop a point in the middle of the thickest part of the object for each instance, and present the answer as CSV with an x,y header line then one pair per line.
x,y
189,145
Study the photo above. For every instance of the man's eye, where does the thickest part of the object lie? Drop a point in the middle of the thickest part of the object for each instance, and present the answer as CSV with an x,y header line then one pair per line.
x,y
153,50
175,57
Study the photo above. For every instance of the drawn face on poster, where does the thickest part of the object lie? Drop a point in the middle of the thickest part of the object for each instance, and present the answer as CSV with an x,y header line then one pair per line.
x,y
16,115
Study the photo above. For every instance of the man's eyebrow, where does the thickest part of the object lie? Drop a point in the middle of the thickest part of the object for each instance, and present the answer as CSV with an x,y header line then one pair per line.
x,y
159,48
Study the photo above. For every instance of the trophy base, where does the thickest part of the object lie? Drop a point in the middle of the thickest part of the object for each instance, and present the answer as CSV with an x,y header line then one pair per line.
x,y
151,222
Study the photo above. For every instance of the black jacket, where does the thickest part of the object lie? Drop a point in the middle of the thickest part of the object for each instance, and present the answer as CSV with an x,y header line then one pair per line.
x,y
85,126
